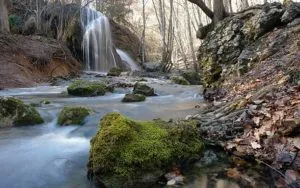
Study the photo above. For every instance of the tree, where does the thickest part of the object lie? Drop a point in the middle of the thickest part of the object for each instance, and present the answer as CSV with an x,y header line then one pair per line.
x,y
4,24
219,12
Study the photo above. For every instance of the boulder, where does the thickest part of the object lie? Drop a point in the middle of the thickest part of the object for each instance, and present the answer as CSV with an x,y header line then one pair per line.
x,y
180,80
84,88
192,77
130,153
134,98
115,71
73,116
13,112
143,89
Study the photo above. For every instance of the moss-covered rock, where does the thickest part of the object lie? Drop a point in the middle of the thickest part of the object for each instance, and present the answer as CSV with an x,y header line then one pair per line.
x,y
84,88
125,152
194,78
13,112
143,89
180,80
134,98
211,71
73,115
115,71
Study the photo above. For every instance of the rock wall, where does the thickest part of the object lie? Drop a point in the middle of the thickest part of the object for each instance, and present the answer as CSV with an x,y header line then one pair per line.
x,y
243,38
29,60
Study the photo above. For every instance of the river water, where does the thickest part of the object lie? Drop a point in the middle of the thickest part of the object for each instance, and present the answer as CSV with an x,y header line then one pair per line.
x,y
48,155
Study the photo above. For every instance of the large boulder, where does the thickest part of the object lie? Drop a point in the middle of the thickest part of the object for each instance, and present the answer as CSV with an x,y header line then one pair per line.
x,y
27,61
133,98
13,112
143,89
129,153
83,88
73,116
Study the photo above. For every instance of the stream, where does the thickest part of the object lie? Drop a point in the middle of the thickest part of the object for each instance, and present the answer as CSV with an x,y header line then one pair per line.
x,y
49,155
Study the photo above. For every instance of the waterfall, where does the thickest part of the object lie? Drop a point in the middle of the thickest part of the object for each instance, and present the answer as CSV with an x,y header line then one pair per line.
x,y
98,47
128,60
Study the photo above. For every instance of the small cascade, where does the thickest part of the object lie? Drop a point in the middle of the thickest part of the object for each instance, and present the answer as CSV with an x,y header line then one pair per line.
x,y
128,60
98,47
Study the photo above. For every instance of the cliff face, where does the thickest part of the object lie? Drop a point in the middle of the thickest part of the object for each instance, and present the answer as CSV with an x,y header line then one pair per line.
x,y
29,60
254,35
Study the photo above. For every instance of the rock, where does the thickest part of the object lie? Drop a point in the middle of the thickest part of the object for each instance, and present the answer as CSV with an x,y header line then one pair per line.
x,y
13,112
134,98
84,88
73,116
143,89
115,71
289,126
44,102
171,182
27,61
192,77
180,80
292,11
285,158
152,66
124,151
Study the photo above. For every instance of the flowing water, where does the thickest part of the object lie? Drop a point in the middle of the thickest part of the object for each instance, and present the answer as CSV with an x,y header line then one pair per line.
x,y
128,60
97,41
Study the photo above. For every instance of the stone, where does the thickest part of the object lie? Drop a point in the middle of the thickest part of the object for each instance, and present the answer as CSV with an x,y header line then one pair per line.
x,y
292,11
115,71
13,112
125,151
84,88
72,116
134,98
192,77
180,80
143,89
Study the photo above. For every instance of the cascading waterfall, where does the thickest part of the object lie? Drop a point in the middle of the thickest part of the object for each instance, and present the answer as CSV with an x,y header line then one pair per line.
x,y
128,60
97,41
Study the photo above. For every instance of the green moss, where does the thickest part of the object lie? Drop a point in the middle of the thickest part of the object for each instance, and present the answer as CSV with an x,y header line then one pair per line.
x,y
134,98
73,115
143,89
19,113
180,80
192,77
115,71
84,88
211,71
124,149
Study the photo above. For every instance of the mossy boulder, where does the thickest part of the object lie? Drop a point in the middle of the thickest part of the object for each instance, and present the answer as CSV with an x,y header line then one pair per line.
x,y
134,98
194,78
115,71
84,88
13,112
180,80
143,89
211,71
130,153
73,116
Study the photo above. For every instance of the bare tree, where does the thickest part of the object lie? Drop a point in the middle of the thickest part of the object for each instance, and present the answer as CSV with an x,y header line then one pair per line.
x,y
4,24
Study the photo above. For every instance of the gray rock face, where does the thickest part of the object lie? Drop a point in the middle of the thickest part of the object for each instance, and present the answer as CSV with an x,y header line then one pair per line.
x,y
243,38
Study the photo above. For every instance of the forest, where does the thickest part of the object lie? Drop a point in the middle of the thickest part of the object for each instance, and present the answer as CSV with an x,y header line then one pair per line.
x,y
150,93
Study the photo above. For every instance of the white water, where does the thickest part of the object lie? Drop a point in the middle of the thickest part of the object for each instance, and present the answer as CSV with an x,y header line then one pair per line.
x,y
127,59
97,42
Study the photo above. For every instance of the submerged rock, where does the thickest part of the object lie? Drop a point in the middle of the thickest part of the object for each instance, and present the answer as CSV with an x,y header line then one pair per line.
x,y
180,80
13,112
115,71
134,98
143,89
129,153
73,115
84,88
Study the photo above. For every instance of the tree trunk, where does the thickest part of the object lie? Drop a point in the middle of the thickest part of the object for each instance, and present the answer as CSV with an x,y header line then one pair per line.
x,y
4,24
219,11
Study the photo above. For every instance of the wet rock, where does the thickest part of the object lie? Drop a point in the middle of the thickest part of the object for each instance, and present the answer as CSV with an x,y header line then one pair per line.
x,y
124,151
115,71
192,77
84,88
13,112
72,116
292,11
134,98
180,80
143,89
